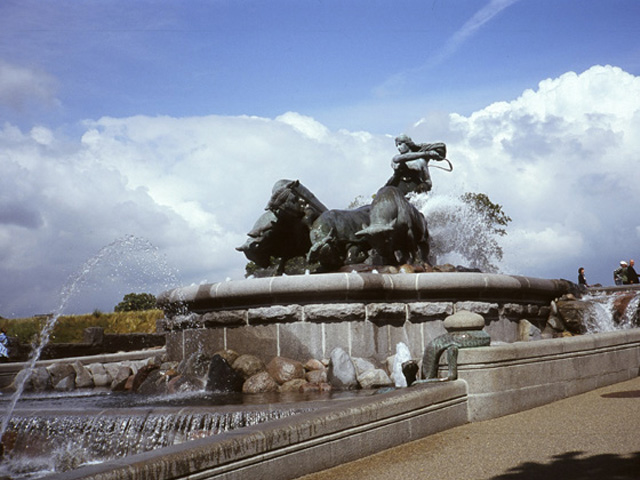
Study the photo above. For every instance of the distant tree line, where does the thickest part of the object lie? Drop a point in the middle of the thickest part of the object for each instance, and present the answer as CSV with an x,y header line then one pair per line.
x,y
133,302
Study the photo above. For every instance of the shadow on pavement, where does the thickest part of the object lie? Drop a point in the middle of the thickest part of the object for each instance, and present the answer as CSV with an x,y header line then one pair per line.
x,y
573,466
623,394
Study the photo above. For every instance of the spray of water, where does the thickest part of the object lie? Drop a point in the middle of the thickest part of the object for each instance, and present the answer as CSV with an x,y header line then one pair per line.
x,y
459,233
129,256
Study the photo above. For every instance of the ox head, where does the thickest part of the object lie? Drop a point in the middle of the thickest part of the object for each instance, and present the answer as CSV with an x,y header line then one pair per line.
x,y
324,250
254,251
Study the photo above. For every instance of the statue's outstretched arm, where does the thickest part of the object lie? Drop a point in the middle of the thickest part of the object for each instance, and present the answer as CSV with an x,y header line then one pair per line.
x,y
409,156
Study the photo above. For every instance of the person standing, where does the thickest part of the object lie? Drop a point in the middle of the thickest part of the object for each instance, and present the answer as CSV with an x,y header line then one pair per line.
x,y
620,274
632,276
582,280
4,344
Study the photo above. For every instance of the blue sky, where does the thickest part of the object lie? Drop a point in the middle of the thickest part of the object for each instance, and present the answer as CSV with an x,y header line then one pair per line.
x,y
337,61
187,112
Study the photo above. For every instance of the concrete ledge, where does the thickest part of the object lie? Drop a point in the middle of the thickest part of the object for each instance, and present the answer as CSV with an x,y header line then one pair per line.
x,y
294,446
509,378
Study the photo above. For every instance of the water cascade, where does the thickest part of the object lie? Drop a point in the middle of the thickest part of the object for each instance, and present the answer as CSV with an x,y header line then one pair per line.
x,y
610,312
61,442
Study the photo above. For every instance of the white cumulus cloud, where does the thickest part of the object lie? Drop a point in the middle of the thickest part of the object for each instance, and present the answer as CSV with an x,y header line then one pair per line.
x,y
561,159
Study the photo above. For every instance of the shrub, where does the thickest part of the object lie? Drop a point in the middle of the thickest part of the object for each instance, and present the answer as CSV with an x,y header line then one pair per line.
x,y
70,328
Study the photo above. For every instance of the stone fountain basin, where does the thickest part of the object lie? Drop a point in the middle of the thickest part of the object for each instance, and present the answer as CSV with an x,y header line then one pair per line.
x,y
494,381
366,314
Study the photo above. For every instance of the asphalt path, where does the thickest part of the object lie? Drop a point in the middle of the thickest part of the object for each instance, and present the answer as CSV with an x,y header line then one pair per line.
x,y
592,436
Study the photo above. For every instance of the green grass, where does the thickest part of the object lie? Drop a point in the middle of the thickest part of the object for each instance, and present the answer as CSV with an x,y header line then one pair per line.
x,y
69,328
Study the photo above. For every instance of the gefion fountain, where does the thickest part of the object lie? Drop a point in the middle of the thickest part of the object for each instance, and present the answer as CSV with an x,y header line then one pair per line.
x,y
374,287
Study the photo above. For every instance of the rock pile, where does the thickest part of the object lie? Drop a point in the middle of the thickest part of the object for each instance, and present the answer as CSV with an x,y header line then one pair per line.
x,y
224,372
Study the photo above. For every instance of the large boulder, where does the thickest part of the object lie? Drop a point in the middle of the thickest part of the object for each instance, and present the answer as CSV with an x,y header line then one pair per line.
x,y
577,316
248,365
314,364
342,372
229,355
316,376
40,379
154,384
66,384
221,378
99,374
295,385
120,379
315,388
362,365
375,378
625,310
283,369
527,331
83,376
141,375
59,371
196,365
260,383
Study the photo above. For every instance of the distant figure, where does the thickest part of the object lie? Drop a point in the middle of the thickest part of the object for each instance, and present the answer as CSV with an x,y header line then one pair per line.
x,y
411,165
582,280
620,274
4,343
632,276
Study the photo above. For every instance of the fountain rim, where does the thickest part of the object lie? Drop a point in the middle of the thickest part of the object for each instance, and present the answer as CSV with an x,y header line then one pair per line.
x,y
357,287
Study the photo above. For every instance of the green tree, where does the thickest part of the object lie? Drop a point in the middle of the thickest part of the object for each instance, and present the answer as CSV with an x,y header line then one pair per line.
x,y
136,302
359,201
492,213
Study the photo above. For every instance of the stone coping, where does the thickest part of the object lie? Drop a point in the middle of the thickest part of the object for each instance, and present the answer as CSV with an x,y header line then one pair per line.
x,y
505,354
353,287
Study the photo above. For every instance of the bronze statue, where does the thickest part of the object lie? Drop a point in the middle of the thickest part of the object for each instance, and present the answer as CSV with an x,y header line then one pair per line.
x,y
335,241
411,165
390,231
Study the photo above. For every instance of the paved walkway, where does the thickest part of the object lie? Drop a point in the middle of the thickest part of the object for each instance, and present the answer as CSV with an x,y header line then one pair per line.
x,y
591,436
